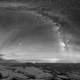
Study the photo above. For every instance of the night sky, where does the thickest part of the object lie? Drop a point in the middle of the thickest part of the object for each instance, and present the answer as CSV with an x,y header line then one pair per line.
x,y
40,31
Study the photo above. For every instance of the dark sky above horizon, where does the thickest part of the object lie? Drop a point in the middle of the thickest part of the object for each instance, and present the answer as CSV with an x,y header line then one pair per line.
x,y
26,34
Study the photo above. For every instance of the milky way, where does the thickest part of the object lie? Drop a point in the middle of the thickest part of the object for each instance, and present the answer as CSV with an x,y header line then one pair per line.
x,y
27,34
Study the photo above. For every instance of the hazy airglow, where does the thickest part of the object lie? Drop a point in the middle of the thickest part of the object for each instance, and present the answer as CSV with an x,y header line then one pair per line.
x,y
52,57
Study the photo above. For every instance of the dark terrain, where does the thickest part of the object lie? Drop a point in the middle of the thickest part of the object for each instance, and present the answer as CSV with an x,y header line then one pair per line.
x,y
39,71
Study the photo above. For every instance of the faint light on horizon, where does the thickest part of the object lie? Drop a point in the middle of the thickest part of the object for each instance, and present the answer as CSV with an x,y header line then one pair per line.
x,y
53,60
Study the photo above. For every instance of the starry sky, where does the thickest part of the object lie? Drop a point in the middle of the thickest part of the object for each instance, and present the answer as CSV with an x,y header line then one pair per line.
x,y
31,35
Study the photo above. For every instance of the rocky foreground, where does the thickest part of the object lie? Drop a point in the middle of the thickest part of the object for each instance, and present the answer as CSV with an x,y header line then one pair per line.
x,y
39,71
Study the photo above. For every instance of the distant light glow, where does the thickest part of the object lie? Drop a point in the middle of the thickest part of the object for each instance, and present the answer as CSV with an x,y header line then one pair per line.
x,y
53,60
